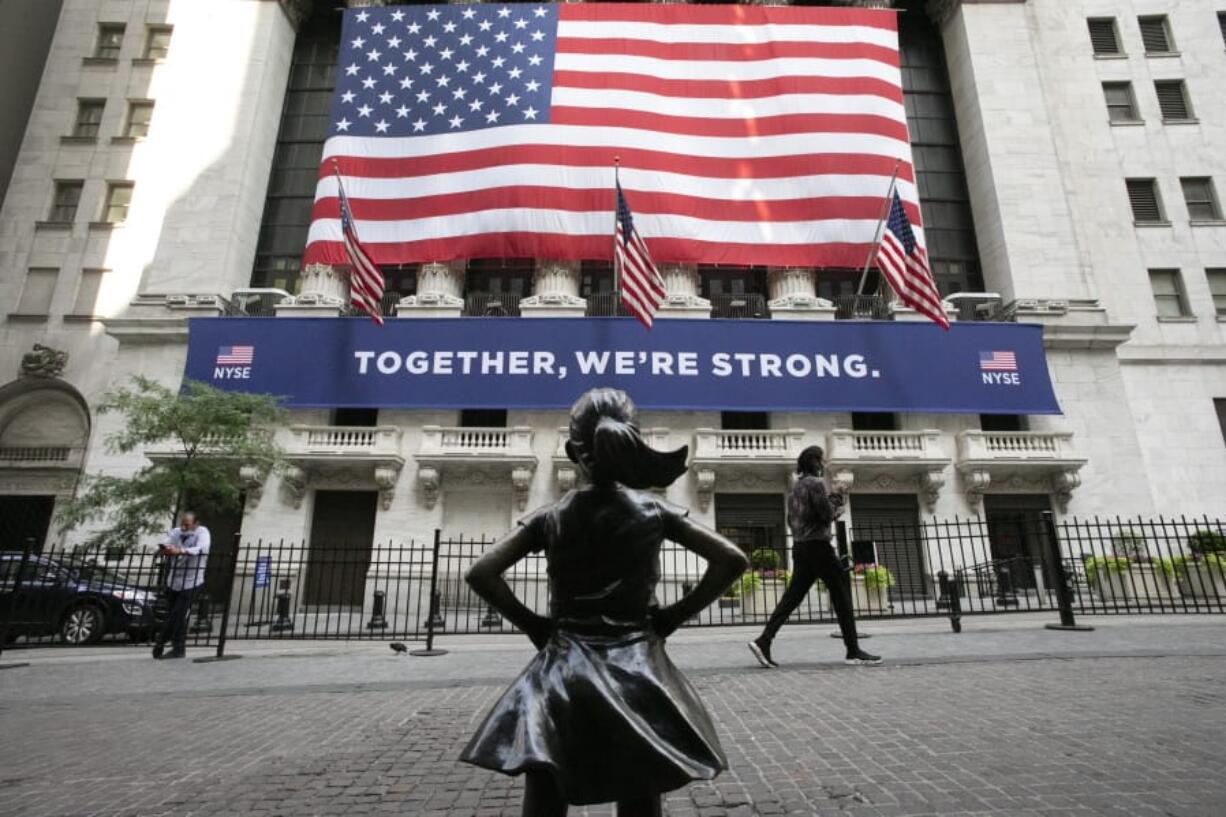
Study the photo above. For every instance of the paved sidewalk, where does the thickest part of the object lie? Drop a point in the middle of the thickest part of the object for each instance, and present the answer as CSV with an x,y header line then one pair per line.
x,y
1004,719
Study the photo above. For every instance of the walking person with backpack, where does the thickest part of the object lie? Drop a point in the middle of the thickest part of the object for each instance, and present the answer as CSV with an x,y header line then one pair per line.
x,y
811,510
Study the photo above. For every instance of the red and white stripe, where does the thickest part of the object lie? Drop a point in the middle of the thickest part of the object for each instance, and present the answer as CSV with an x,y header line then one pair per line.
x,y
910,278
746,134
642,289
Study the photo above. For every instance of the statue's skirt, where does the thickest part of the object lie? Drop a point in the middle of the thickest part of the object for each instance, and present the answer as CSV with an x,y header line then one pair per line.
x,y
607,714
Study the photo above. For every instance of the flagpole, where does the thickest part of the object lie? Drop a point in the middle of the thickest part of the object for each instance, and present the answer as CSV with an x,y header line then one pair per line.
x,y
617,285
885,211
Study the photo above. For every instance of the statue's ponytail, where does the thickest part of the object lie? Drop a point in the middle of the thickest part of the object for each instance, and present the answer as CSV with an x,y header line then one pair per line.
x,y
605,439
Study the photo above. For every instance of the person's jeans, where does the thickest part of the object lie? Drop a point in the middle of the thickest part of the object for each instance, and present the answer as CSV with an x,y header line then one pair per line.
x,y
174,629
811,560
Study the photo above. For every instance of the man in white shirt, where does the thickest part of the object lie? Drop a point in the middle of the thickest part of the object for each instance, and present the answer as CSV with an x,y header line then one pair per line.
x,y
187,552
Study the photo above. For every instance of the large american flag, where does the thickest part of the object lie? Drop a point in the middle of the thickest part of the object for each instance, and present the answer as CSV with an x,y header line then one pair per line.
x,y
638,280
904,264
747,134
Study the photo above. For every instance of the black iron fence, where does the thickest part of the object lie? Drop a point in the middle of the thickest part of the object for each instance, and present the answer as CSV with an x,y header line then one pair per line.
x,y
399,591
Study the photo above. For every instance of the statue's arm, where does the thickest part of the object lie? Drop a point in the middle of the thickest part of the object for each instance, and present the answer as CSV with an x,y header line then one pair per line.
x,y
485,578
725,562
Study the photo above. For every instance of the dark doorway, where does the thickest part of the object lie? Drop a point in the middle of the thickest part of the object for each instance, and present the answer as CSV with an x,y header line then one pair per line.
x,y
342,530
753,522
224,528
891,523
355,417
1015,533
25,517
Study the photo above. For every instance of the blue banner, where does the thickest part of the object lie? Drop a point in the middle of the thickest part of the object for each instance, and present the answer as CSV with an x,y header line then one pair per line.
x,y
263,569
705,365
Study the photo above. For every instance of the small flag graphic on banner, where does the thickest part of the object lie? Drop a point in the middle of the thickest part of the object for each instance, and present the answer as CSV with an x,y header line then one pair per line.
x,y
235,355
997,362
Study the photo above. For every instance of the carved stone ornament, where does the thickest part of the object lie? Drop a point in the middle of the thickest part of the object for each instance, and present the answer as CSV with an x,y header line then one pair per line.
x,y
1063,484
705,483
294,481
430,482
521,481
43,361
842,481
252,479
931,484
975,483
386,477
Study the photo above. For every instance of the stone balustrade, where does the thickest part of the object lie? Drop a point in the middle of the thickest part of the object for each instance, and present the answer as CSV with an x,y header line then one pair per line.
x,y
888,461
1019,461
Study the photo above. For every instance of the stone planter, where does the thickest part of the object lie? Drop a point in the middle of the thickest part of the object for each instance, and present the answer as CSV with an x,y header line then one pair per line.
x,y
864,600
1148,582
1110,585
1199,580
761,602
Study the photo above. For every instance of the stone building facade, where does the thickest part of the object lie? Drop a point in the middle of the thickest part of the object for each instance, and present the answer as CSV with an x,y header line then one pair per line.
x,y
1069,154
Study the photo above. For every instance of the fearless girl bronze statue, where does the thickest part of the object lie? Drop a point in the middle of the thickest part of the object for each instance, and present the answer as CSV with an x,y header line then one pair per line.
x,y
601,714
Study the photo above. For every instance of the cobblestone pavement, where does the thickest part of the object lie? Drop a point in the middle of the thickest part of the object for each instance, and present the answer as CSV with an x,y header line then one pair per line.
x,y
1134,727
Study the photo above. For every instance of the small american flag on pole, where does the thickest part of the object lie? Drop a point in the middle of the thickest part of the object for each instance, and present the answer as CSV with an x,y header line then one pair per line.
x,y
904,264
642,290
366,281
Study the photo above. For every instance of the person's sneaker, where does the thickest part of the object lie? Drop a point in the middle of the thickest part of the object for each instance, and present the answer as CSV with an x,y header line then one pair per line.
x,y
860,657
178,654
158,649
762,651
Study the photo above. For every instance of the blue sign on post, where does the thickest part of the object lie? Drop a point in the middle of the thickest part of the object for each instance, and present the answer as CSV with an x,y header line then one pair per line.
x,y
263,571
703,365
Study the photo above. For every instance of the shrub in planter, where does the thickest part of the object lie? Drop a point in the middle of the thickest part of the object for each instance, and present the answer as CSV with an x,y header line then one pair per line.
x,y
869,587
1108,575
763,559
1201,576
1207,541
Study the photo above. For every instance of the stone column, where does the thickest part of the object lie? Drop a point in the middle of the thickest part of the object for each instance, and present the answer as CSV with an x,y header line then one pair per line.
x,y
555,287
440,291
324,291
682,285
793,295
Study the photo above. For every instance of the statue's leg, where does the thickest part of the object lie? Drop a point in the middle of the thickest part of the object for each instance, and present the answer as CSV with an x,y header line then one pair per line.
x,y
542,797
640,807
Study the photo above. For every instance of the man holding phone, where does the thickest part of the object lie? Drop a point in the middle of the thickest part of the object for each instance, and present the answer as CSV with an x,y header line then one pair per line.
x,y
187,551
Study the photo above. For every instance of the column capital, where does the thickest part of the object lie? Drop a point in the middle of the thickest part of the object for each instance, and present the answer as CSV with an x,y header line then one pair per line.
x,y
682,301
555,291
440,285
325,290
793,295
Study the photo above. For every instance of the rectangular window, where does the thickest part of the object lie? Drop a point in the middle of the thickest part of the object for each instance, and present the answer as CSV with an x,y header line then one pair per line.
x,y
110,40
483,418
64,206
1156,35
157,42
1173,100
89,118
1146,205
36,294
86,302
874,421
1121,105
1168,293
1219,405
1217,288
118,197
1201,199
1103,36
139,114
744,420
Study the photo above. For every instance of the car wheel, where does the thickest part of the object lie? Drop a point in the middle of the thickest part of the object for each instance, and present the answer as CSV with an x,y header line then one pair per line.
x,y
82,625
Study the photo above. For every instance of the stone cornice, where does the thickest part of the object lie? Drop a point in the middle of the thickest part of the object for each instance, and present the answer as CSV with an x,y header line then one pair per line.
x,y
942,10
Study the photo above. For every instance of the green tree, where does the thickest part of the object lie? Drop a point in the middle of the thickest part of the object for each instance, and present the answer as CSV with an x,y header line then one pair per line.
x,y
212,433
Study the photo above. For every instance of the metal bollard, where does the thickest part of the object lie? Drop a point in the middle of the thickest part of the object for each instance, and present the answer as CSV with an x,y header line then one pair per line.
x,y
1064,592
435,619
950,599
1006,595
284,621
492,618
377,619
203,620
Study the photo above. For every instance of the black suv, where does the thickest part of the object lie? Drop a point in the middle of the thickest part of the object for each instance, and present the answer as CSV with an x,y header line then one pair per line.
x,y
80,601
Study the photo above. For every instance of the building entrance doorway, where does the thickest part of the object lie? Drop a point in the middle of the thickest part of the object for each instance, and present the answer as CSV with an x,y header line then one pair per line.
x,y
342,531
25,517
1017,538
891,523
753,522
